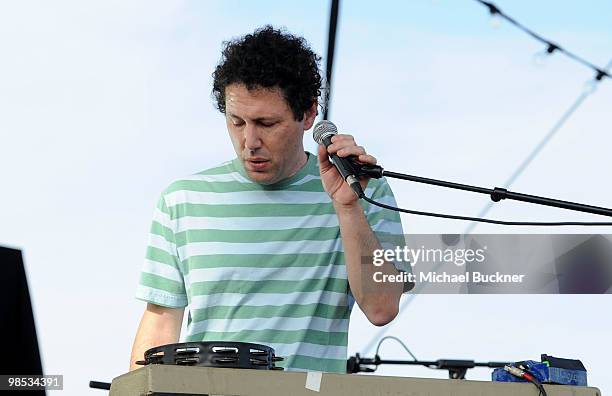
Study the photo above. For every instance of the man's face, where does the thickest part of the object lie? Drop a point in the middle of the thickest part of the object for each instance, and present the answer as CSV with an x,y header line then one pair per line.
x,y
264,132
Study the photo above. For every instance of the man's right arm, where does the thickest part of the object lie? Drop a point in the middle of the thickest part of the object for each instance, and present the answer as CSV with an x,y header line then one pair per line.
x,y
158,326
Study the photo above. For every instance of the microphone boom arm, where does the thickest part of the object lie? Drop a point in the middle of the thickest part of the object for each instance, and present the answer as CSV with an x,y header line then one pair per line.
x,y
496,194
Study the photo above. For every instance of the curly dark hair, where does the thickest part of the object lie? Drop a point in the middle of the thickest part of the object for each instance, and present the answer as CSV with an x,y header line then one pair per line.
x,y
270,58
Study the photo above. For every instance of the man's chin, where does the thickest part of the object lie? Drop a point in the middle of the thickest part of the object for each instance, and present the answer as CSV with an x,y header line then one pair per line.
x,y
264,178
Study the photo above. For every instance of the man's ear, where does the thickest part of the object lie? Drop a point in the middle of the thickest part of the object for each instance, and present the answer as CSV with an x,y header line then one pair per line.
x,y
310,115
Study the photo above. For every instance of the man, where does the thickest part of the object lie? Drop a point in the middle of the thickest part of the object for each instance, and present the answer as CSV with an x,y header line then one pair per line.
x,y
268,248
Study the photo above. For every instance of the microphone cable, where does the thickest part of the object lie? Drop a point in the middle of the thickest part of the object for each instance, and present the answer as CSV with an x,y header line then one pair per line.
x,y
524,373
483,220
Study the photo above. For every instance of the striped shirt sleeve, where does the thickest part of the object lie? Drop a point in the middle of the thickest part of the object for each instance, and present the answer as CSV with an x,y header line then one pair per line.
x,y
386,223
161,280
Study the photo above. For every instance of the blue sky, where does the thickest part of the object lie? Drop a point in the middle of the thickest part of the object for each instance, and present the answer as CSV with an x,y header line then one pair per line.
x,y
102,103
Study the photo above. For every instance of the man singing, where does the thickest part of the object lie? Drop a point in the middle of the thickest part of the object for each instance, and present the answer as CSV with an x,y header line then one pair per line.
x,y
267,248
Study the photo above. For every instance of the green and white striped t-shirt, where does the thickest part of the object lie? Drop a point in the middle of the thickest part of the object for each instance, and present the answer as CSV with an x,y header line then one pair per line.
x,y
258,263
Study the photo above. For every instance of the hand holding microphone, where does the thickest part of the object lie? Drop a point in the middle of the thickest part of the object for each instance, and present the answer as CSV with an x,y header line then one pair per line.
x,y
352,162
346,156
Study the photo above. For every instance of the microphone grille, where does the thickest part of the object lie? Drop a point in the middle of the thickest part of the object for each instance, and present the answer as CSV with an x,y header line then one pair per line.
x,y
324,129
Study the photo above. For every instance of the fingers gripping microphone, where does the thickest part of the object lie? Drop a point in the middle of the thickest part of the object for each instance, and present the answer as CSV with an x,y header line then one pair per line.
x,y
322,134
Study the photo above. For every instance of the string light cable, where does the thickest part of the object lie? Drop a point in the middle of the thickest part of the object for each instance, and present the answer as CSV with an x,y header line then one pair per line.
x,y
589,89
551,47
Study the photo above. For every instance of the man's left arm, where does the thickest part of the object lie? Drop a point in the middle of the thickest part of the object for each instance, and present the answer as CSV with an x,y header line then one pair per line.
x,y
378,301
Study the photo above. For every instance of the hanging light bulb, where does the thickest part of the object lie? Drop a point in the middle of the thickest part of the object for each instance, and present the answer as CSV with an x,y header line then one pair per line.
x,y
495,12
495,21
539,59
589,87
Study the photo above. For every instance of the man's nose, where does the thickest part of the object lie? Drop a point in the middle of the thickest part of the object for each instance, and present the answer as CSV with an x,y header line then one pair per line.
x,y
252,140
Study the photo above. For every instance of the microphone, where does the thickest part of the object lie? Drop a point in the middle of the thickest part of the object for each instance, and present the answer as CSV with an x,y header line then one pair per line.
x,y
322,134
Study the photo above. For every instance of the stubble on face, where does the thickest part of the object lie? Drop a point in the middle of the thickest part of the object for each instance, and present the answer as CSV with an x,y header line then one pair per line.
x,y
265,135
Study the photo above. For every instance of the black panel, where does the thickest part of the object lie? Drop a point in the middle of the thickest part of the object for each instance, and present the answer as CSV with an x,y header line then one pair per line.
x,y
21,353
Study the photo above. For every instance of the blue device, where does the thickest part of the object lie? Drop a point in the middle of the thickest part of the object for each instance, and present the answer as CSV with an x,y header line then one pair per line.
x,y
550,370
